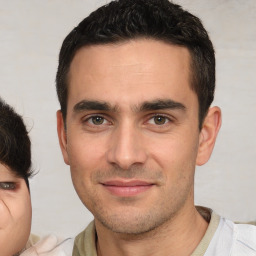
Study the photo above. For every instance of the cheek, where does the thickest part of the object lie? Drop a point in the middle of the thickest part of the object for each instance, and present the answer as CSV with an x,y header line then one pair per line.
x,y
16,212
177,160
176,156
4,213
83,160
23,223
85,154
26,213
175,149
22,214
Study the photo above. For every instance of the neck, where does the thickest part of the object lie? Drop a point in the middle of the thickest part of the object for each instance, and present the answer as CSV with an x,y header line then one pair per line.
x,y
178,236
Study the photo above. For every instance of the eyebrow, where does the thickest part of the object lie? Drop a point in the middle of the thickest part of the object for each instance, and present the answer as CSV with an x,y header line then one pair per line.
x,y
145,106
161,104
92,105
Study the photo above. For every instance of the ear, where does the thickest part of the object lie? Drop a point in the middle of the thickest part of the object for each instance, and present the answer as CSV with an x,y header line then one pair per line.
x,y
62,136
208,135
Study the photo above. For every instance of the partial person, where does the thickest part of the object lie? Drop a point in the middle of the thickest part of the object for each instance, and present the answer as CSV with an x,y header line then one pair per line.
x,y
15,201
135,83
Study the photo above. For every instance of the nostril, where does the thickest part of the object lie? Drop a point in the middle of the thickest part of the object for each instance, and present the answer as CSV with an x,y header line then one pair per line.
x,y
125,160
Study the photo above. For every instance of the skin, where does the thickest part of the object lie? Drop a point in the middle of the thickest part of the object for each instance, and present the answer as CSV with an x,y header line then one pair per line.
x,y
15,212
132,142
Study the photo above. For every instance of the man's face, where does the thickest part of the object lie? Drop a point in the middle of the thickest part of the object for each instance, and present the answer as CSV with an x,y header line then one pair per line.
x,y
15,212
132,133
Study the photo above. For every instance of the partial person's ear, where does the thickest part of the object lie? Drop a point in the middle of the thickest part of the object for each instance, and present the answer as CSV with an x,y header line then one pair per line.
x,y
208,135
62,136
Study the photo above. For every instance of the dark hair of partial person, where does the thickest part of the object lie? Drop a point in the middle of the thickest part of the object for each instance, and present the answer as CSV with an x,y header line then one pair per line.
x,y
15,146
161,20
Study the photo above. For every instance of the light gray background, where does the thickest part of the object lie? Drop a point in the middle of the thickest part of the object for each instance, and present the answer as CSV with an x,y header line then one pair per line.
x,y
31,33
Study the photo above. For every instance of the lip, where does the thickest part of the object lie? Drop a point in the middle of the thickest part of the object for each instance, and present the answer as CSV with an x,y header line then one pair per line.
x,y
127,188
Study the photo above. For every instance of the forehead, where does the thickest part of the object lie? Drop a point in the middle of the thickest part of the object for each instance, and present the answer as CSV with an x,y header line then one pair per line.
x,y
142,69
5,171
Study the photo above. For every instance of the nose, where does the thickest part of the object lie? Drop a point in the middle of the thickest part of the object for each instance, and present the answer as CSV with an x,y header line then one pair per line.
x,y
126,147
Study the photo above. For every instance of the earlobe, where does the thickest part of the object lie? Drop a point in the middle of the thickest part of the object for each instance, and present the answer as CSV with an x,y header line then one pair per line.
x,y
62,136
208,135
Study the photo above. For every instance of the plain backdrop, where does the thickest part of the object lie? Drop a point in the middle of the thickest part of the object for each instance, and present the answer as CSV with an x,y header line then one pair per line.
x,y
31,33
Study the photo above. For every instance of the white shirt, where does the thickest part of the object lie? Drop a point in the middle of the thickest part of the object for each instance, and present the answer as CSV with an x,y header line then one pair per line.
x,y
50,246
232,239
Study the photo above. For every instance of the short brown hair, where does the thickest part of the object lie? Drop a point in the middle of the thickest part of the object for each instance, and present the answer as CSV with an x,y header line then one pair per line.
x,y
162,20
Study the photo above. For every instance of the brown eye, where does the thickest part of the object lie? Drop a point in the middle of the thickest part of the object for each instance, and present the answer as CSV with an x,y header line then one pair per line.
x,y
97,120
7,185
160,120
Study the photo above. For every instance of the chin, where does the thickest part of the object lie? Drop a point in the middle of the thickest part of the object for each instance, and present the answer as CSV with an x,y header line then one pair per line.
x,y
128,224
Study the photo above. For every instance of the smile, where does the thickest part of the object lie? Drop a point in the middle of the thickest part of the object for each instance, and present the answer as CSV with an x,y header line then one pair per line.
x,y
127,188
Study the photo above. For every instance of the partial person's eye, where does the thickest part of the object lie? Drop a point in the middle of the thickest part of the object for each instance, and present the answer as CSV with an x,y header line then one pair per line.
x,y
7,185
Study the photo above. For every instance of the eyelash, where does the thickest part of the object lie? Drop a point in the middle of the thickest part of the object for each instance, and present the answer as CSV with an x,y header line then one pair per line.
x,y
8,185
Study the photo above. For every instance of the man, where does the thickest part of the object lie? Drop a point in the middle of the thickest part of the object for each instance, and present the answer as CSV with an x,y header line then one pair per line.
x,y
135,83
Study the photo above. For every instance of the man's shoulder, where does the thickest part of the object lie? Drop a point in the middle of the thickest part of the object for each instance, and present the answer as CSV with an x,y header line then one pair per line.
x,y
245,237
85,242
233,239
224,237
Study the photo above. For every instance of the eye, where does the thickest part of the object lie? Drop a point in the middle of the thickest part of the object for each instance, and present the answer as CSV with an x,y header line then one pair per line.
x,y
96,120
7,185
159,120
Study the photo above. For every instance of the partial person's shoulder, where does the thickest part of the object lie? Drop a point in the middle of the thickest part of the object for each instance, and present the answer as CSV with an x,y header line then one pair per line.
x,y
33,239
49,246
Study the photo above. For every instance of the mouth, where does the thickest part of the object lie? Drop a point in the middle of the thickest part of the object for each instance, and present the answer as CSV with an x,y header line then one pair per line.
x,y
127,188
